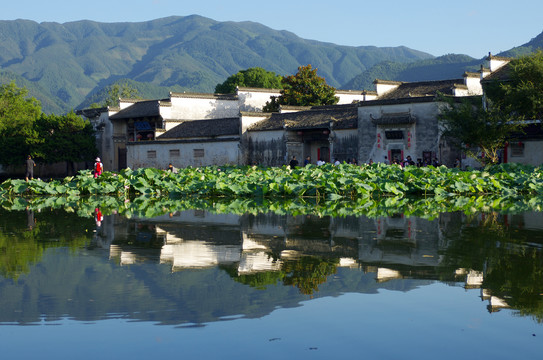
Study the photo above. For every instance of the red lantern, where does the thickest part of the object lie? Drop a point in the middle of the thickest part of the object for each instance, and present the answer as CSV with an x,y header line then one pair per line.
x,y
326,132
139,136
149,136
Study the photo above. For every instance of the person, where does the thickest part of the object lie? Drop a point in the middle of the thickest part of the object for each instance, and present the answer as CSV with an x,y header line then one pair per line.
x,y
98,168
293,163
419,162
337,162
320,162
386,161
457,163
98,217
307,160
170,167
409,161
435,162
370,162
30,164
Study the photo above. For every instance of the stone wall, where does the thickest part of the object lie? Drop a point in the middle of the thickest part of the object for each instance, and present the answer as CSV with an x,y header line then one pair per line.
x,y
158,154
266,148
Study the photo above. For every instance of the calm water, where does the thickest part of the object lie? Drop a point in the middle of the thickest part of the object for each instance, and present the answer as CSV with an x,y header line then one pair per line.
x,y
208,286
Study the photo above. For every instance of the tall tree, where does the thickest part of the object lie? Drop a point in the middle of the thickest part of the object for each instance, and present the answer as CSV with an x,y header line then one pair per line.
x,y
67,138
474,129
305,88
113,93
520,90
252,77
17,115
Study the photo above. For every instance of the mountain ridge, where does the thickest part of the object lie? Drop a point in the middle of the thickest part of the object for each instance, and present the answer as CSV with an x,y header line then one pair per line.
x,y
74,59
65,65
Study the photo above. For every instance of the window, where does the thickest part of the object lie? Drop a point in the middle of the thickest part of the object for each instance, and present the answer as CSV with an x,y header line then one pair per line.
x,y
198,153
151,154
175,153
517,149
394,134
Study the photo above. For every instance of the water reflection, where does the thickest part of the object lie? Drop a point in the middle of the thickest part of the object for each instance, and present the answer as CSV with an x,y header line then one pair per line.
x,y
192,267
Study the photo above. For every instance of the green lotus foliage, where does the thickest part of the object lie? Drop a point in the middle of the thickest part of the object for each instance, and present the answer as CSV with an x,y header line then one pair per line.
x,y
325,182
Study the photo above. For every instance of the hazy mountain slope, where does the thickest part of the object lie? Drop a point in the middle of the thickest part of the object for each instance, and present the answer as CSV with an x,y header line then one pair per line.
x,y
532,46
52,104
444,67
69,61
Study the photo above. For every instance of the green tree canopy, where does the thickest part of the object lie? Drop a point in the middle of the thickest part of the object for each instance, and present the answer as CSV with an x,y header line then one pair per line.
x,y
252,77
17,115
67,138
472,128
520,91
113,93
305,88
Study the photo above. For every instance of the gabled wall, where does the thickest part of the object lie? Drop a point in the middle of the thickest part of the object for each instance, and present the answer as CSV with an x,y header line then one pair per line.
x,y
203,106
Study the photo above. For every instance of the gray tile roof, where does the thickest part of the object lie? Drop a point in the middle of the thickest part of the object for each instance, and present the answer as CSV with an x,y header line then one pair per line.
x,y
394,119
423,88
341,117
205,96
502,74
203,128
148,108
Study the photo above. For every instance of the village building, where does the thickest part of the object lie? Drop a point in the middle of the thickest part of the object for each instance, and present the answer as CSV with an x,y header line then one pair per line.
x,y
398,120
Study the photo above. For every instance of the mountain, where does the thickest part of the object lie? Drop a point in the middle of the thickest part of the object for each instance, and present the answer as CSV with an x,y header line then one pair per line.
x,y
67,62
450,66
530,47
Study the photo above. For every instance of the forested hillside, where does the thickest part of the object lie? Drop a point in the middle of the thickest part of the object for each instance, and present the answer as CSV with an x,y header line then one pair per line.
x,y
64,63
441,68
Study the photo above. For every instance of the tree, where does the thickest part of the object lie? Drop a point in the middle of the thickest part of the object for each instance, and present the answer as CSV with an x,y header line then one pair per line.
x,y
67,138
468,124
252,77
305,88
113,93
521,90
17,115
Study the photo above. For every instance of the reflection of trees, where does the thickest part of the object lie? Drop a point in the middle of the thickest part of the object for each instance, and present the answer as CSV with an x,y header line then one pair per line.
x,y
306,273
512,269
259,280
25,236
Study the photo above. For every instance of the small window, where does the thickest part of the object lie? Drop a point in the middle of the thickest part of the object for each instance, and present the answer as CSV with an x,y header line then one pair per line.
x,y
151,154
175,153
394,134
517,149
198,153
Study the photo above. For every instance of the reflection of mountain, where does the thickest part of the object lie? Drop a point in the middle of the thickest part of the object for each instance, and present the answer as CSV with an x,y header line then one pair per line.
x,y
179,268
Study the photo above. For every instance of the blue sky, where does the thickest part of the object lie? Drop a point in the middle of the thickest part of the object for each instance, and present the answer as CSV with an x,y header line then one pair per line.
x,y
437,27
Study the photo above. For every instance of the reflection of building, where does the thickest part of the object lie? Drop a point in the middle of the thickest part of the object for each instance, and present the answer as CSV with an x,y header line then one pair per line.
x,y
474,280
395,247
198,239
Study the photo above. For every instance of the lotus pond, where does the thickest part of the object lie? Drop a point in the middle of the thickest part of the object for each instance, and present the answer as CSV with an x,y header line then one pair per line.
x,y
165,274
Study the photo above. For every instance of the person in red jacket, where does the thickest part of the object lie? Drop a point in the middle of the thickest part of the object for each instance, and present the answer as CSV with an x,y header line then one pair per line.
x,y
98,168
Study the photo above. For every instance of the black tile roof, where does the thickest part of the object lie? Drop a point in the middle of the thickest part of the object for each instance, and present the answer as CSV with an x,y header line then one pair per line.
x,y
204,128
394,119
502,74
149,108
423,88
342,117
